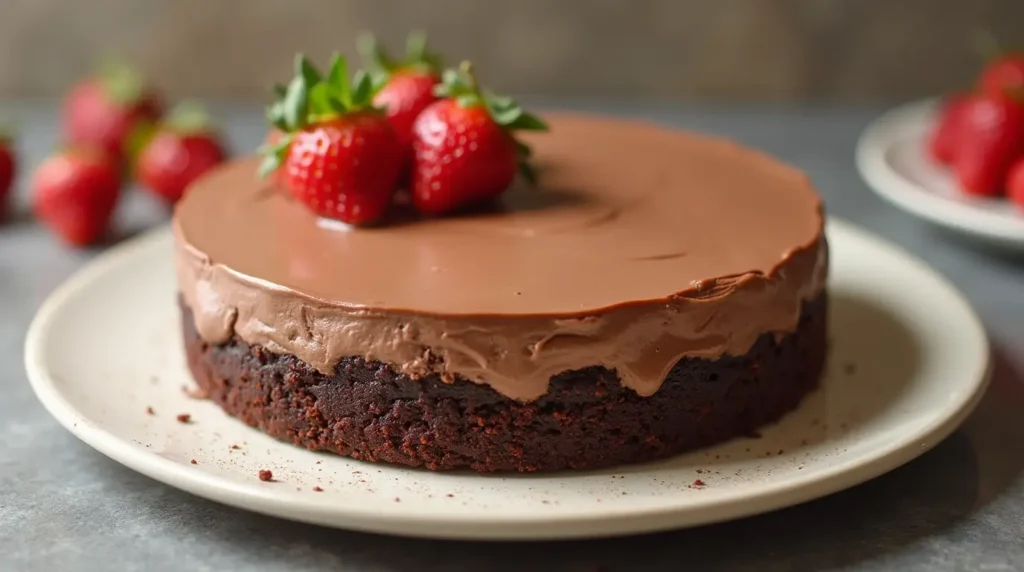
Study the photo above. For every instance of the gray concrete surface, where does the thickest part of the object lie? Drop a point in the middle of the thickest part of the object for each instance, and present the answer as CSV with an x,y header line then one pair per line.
x,y
959,507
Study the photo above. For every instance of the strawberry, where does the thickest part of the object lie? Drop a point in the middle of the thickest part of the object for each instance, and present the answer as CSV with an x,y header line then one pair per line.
x,y
183,148
1004,74
337,154
8,164
102,111
992,137
464,147
1015,183
945,135
74,194
404,87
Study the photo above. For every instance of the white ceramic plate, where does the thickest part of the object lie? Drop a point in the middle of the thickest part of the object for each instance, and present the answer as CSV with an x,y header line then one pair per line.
x,y
892,159
909,362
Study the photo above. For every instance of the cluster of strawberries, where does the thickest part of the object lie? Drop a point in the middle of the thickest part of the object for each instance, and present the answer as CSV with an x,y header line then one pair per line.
x,y
345,145
114,129
980,135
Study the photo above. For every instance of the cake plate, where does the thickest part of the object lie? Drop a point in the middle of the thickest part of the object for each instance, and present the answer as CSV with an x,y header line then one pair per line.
x,y
909,361
892,159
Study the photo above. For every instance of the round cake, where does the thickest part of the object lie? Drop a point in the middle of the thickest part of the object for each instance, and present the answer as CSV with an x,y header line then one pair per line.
x,y
655,292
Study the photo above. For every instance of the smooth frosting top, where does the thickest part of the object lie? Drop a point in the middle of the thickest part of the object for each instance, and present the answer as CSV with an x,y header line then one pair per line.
x,y
625,212
641,246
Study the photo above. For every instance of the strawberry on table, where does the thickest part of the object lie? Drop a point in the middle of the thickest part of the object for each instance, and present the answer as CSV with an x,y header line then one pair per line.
x,y
404,87
8,165
181,150
74,194
465,151
337,154
1015,183
103,111
991,138
1004,74
945,136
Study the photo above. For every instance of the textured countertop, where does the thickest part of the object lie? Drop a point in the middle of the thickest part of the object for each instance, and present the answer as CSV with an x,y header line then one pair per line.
x,y
959,507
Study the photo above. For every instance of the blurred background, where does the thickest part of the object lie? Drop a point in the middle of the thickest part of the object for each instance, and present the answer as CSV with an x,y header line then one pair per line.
x,y
845,51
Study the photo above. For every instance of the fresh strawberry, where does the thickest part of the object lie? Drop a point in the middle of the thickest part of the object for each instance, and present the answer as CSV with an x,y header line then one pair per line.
x,y
464,147
102,111
1015,183
338,154
74,194
8,165
1004,74
404,88
992,137
946,132
184,148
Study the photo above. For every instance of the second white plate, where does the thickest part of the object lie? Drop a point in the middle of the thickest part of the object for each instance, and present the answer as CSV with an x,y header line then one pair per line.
x,y
892,159
909,361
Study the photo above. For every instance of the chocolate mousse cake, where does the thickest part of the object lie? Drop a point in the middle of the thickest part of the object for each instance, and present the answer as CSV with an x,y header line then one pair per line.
x,y
655,292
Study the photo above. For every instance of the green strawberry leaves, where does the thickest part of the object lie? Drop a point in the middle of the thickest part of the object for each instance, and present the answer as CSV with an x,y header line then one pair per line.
x,y
188,118
462,86
122,83
310,98
418,57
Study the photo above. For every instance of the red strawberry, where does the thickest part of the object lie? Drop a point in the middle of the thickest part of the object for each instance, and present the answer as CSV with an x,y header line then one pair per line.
x,y
1003,75
405,87
464,149
8,164
183,149
103,111
1015,183
992,137
75,193
340,155
945,136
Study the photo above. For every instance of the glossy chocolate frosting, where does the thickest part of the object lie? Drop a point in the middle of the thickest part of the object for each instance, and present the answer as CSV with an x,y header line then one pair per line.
x,y
640,246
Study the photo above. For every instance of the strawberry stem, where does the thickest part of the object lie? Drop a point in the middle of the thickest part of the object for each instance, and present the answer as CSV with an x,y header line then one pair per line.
x,y
121,83
6,133
466,67
189,117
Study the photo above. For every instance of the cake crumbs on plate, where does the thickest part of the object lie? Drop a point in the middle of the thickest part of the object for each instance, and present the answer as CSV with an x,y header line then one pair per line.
x,y
699,483
194,392
149,411
266,475
193,461
184,418
317,489
398,499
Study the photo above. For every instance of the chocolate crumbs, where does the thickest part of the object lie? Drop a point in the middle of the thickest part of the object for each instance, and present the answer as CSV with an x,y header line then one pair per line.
x,y
266,475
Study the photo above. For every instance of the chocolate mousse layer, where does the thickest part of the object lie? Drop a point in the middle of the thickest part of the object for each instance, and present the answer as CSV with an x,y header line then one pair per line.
x,y
368,410
641,247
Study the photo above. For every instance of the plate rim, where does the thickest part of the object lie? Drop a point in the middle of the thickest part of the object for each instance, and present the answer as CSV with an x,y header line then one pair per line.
x,y
873,143
465,526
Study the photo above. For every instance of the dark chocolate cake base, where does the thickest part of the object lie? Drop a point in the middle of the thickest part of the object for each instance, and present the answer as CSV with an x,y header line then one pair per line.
x,y
586,420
